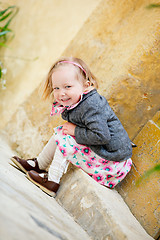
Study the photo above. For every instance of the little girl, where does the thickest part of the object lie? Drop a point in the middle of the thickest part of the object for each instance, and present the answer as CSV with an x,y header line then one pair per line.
x,y
92,138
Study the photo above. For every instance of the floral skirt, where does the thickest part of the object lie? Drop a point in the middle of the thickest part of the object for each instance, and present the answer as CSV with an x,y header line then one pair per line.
x,y
108,173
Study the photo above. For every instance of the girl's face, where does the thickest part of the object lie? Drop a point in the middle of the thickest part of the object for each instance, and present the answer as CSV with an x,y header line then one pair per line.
x,y
67,88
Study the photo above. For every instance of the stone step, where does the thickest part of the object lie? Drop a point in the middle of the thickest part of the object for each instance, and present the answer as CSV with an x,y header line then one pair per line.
x,y
28,213
101,212
143,200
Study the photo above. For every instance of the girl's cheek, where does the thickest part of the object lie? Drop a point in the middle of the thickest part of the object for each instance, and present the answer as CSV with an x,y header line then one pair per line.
x,y
55,96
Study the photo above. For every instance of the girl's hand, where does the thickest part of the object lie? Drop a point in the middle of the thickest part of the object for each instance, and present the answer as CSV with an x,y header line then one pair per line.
x,y
69,128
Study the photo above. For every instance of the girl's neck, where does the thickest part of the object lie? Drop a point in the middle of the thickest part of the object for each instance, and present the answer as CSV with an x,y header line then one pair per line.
x,y
90,88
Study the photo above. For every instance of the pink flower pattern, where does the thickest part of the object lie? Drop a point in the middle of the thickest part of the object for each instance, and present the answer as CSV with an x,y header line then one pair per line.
x,y
57,142
108,168
89,165
86,151
103,161
105,172
93,159
63,151
121,175
76,149
111,184
98,177
109,176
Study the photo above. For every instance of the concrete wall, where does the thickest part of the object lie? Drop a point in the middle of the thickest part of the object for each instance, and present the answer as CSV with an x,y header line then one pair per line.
x,y
120,43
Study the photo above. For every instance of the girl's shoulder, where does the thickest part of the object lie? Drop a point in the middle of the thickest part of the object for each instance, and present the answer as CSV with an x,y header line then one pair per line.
x,y
95,104
94,99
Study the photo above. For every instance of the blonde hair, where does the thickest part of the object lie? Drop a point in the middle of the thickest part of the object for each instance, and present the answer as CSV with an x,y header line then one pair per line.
x,y
83,72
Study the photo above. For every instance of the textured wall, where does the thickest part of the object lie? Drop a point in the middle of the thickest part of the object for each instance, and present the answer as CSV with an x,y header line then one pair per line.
x,y
42,29
122,45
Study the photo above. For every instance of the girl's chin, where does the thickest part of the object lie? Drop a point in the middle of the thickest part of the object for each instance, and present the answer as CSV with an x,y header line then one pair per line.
x,y
64,103
67,104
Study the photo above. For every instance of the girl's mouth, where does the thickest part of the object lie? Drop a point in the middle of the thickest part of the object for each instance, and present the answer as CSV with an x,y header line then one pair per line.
x,y
65,100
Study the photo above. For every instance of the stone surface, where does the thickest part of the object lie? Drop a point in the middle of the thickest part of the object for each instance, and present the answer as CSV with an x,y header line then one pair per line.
x,y
99,210
28,213
31,126
144,200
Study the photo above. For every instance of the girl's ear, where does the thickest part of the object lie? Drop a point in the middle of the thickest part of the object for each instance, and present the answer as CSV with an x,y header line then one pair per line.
x,y
87,84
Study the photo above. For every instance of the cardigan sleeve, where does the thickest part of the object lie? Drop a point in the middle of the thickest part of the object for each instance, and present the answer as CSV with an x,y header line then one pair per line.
x,y
95,130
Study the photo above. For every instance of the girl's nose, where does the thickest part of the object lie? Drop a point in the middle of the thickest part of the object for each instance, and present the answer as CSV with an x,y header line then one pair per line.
x,y
62,92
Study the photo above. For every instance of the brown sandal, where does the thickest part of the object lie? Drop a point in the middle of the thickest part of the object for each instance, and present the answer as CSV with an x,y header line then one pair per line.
x,y
27,165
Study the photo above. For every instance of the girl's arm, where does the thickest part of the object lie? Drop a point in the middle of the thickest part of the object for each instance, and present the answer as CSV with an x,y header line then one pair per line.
x,y
96,131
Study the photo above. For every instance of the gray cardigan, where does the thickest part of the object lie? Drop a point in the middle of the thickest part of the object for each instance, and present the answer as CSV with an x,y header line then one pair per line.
x,y
98,127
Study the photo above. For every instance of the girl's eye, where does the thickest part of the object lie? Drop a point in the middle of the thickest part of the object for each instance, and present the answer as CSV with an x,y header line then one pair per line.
x,y
68,86
56,88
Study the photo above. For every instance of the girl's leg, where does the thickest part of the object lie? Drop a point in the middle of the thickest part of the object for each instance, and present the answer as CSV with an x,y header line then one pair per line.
x,y
58,167
46,156
49,183
40,163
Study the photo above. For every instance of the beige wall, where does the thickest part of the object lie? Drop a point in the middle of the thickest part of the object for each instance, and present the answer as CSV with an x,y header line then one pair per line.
x,y
43,29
